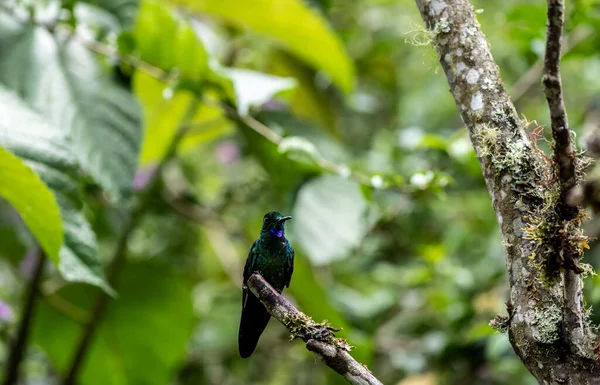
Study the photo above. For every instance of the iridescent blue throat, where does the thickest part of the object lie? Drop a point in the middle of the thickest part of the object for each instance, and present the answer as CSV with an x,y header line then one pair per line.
x,y
277,233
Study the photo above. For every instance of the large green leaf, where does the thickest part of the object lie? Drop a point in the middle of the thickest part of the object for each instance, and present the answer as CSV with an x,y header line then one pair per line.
x,y
309,101
168,42
162,116
47,151
123,10
64,81
34,202
142,338
299,28
331,217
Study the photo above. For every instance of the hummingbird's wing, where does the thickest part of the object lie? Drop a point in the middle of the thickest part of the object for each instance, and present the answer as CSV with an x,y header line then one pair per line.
x,y
248,270
254,317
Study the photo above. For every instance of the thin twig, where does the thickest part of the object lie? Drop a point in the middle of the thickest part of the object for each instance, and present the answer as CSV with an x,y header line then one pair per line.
x,y
563,150
17,350
323,163
319,338
531,77
565,157
121,248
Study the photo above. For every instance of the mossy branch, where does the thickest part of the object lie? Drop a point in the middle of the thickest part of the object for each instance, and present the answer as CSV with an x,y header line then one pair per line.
x,y
319,337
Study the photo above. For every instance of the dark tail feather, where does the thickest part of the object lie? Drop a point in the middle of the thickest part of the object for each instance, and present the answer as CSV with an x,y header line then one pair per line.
x,y
254,321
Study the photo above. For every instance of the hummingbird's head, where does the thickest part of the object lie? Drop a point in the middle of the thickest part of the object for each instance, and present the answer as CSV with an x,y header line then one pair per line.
x,y
273,223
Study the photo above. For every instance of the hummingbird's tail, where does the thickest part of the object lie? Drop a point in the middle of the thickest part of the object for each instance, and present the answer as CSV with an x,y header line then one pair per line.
x,y
254,321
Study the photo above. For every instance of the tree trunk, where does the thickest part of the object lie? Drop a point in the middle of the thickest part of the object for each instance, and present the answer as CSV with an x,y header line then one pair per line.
x,y
546,322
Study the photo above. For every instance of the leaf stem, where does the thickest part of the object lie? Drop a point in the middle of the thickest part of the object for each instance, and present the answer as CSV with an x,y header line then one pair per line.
x,y
18,348
120,251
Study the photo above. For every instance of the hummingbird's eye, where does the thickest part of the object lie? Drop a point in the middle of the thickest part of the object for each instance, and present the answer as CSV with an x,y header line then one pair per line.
x,y
266,220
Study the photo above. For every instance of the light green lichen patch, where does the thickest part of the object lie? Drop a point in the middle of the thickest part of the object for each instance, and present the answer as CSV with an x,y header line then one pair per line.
x,y
546,324
303,327
486,138
507,154
513,157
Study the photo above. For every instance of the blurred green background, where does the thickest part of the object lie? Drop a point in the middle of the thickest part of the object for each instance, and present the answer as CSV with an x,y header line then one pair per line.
x,y
333,111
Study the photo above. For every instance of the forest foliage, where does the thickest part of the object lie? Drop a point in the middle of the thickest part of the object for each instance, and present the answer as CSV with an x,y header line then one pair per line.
x,y
158,133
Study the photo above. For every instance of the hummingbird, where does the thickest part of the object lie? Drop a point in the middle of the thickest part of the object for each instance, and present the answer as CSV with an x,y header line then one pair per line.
x,y
272,256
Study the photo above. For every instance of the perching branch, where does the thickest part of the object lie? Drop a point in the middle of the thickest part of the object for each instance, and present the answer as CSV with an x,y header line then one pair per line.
x,y
547,328
120,251
563,150
17,350
319,338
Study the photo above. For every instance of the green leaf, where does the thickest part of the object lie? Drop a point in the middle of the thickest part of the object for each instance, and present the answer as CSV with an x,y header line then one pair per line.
x,y
34,202
123,10
47,150
162,116
300,29
298,149
309,101
142,338
254,88
66,83
173,46
331,217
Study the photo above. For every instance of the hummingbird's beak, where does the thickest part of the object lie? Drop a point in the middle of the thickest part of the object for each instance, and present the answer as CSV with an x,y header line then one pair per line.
x,y
283,219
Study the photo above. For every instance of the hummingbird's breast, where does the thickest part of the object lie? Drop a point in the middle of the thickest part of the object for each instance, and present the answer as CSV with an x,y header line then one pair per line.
x,y
273,263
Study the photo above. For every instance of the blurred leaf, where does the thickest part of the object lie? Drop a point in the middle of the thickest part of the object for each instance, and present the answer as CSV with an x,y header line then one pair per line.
x,y
286,174
527,22
162,116
13,246
331,217
367,192
63,80
254,88
324,142
312,299
123,10
321,5
421,379
298,149
309,101
34,202
168,42
433,142
480,331
301,30
47,151
142,338
365,305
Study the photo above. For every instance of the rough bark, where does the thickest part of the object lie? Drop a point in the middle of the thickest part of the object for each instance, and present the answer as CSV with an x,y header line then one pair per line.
x,y
319,338
525,193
